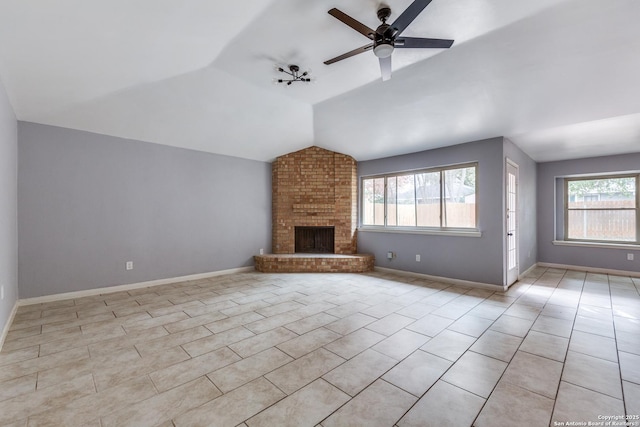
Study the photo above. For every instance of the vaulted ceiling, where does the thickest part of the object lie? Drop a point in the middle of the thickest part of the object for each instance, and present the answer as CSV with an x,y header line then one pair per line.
x,y
557,77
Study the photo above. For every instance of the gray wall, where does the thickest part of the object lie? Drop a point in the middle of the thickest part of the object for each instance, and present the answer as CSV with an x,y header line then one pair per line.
x,y
549,209
477,259
8,207
527,205
88,203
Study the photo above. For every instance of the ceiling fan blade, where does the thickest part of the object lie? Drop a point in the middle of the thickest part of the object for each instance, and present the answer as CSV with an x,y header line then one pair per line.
x,y
350,54
356,25
409,14
385,68
415,42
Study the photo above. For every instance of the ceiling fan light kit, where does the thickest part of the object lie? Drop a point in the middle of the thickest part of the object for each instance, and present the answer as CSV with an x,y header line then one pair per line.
x,y
385,38
383,50
294,75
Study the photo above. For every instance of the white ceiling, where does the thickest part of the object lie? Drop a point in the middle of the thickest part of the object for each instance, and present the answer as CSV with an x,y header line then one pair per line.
x,y
557,77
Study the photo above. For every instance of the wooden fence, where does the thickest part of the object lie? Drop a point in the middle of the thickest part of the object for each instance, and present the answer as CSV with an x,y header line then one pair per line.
x,y
594,220
427,215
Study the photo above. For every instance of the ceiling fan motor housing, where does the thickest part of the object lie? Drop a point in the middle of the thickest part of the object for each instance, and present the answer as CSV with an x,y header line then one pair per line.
x,y
383,43
384,13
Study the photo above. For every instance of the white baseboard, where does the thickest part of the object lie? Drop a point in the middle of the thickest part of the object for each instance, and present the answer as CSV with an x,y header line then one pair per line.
x,y
7,325
527,271
459,282
128,287
591,269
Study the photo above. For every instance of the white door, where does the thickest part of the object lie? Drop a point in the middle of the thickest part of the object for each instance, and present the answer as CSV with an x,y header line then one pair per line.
x,y
511,222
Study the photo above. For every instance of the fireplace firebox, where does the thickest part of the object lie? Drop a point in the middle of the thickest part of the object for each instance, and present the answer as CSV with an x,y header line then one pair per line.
x,y
319,240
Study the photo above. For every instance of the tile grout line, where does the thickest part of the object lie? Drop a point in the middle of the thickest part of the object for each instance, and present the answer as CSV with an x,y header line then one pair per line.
x,y
447,370
364,296
553,409
615,341
514,353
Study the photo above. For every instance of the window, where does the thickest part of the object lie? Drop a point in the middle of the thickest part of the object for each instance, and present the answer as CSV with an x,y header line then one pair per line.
x,y
439,198
602,209
373,193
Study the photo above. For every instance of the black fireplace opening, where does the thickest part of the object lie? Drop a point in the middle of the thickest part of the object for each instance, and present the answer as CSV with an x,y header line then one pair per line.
x,y
314,240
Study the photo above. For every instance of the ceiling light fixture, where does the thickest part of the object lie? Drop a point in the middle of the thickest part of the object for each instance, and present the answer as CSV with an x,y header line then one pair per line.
x,y
383,49
294,75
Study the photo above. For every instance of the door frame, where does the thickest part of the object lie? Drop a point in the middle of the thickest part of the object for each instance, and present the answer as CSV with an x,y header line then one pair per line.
x,y
508,281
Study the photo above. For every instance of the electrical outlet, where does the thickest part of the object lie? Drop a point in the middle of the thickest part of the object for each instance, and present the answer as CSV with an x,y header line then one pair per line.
x,y
629,257
2,292
417,257
390,255
261,251
129,265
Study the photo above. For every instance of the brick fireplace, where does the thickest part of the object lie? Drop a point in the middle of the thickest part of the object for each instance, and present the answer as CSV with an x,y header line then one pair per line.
x,y
314,188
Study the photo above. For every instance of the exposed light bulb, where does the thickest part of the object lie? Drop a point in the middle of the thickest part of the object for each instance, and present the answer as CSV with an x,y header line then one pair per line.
x,y
292,75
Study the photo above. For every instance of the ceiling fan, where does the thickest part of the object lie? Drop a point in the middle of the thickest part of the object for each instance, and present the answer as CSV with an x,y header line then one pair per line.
x,y
386,38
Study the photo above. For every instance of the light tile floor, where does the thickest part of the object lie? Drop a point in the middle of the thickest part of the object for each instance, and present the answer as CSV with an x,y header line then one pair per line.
x,y
329,350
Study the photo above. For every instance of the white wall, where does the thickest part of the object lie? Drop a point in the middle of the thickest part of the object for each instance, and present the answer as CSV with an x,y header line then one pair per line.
x,y
89,203
8,209
550,210
477,259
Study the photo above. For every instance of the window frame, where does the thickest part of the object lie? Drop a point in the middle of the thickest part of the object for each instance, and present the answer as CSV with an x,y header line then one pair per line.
x,y
460,231
566,209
